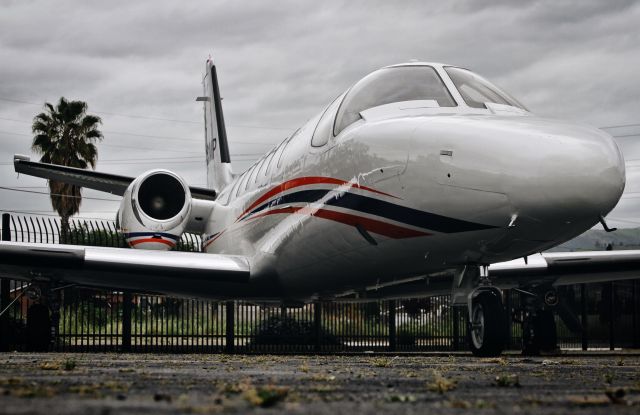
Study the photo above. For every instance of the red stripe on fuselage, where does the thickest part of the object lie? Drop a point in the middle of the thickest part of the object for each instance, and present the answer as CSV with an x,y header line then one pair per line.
x,y
210,241
371,225
303,181
156,240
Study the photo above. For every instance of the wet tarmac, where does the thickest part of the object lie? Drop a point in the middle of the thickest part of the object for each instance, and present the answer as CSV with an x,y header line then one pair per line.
x,y
32,383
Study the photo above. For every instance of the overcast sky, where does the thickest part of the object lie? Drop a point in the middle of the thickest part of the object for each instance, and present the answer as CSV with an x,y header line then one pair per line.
x,y
138,64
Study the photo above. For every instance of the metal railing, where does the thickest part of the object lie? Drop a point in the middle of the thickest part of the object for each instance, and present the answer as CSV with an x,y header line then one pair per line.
x,y
111,320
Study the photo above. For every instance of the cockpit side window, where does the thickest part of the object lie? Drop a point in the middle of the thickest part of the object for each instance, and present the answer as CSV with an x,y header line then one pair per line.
x,y
323,129
476,90
388,85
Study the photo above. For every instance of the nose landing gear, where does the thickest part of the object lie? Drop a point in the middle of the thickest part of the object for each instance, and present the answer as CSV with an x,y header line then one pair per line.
x,y
487,325
487,318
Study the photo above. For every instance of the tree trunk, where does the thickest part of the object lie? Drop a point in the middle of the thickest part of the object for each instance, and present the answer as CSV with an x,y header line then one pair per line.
x,y
64,230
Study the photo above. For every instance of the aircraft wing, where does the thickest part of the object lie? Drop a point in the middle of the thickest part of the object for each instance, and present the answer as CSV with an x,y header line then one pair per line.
x,y
105,182
176,273
565,268
552,268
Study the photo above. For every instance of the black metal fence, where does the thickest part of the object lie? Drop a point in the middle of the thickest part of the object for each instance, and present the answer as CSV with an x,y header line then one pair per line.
x,y
102,320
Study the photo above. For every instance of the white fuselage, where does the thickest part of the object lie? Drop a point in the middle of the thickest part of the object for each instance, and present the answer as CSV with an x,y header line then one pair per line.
x,y
411,189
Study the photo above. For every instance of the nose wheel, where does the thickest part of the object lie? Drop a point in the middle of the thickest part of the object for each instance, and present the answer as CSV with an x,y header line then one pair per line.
x,y
487,325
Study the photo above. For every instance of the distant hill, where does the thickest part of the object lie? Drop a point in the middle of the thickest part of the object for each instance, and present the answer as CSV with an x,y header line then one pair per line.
x,y
598,240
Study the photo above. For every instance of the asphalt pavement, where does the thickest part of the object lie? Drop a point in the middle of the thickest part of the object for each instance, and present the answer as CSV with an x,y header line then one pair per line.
x,y
48,383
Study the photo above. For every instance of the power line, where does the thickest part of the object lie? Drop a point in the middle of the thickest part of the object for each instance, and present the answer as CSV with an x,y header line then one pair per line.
x,y
625,135
47,213
159,137
619,126
57,194
156,118
110,132
121,146
162,159
624,220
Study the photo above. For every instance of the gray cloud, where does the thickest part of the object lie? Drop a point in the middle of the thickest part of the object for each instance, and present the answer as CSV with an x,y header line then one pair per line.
x,y
280,62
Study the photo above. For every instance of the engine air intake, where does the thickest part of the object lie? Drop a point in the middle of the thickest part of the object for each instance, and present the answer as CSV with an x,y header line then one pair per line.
x,y
161,196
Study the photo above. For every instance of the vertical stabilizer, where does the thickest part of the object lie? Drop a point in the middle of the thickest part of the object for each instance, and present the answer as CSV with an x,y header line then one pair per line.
x,y
217,146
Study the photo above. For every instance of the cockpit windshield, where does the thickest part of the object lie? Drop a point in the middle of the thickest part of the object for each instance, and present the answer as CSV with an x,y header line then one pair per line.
x,y
476,90
388,85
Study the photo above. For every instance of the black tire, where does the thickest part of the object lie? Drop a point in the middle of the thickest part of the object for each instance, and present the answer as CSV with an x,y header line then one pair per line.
x,y
490,339
38,328
539,333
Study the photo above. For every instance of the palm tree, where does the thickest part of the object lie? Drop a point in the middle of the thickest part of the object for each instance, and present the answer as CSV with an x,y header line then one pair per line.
x,y
66,135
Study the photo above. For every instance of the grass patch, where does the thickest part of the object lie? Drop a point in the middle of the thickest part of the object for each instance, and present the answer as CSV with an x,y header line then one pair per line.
x,y
441,384
266,396
506,381
69,364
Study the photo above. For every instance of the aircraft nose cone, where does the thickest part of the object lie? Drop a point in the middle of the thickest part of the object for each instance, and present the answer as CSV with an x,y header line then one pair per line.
x,y
581,175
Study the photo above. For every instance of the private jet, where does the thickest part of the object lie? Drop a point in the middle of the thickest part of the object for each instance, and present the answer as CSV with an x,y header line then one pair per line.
x,y
420,179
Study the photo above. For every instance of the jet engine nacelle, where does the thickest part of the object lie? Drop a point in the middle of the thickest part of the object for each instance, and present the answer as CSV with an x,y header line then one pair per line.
x,y
155,210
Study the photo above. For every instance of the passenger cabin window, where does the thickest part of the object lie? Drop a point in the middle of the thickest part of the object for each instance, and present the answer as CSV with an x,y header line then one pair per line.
x,y
274,154
254,172
286,144
476,90
266,163
323,129
388,85
242,181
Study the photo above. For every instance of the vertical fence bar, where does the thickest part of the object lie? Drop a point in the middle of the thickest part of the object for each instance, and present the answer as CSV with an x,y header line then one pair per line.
x,y
230,313
456,328
391,304
4,289
126,321
584,317
317,325
507,306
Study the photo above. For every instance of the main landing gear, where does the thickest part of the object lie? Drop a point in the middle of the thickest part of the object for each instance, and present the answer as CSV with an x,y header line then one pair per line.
x,y
538,320
42,317
487,318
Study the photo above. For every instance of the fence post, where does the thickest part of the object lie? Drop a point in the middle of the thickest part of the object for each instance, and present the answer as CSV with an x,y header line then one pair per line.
x,y
636,314
317,324
126,321
229,329
5,289
584,317
612,311
456,328
392,325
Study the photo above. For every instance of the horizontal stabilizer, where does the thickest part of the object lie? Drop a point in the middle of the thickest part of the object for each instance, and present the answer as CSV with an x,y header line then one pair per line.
x,y
104,182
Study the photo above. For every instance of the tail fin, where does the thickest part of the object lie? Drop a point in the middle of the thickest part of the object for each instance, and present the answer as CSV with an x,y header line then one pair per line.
x,y
217,147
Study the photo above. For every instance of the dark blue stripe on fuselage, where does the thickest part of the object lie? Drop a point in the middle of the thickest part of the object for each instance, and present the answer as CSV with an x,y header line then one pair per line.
x,y
152,234
409,216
